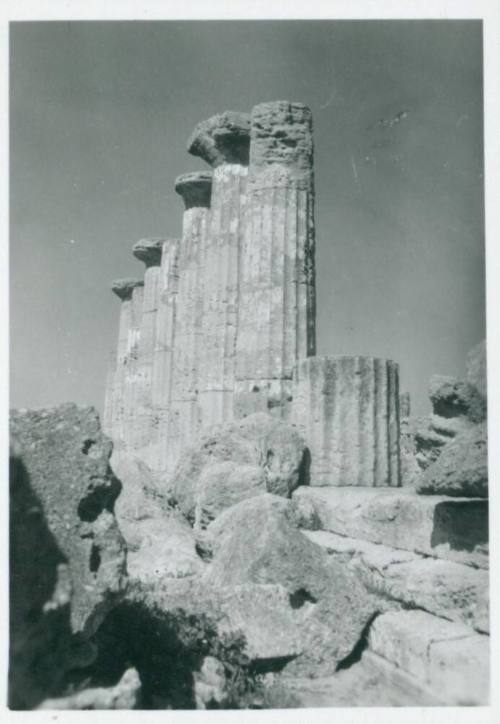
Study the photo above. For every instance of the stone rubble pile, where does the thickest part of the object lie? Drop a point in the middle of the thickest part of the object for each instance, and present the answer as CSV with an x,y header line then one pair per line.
x,y
293,537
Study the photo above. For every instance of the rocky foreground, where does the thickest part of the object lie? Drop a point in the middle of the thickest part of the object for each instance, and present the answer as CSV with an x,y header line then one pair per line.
x,y
237,583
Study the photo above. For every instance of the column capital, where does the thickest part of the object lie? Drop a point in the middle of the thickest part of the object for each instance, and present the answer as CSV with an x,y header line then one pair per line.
x,y
223,138
149,250
195,188
123,288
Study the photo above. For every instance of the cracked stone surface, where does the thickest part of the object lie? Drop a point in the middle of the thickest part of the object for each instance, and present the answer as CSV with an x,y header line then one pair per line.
x,y
222,139
66,458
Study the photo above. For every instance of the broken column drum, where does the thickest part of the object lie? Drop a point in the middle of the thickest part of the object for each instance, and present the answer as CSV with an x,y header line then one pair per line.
x,y
223,142
140,424
277,282
188,353
347,409
116,401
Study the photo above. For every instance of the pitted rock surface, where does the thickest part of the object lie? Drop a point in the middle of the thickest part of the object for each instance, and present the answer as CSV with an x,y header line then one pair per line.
x,y
160,543
224,138
195,188
282,135
451,397
259,441
149,251
66,458
123,288
333,605
40,597
462,467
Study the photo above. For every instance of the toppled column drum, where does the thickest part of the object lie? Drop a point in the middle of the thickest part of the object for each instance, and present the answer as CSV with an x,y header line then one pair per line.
x,y
347,408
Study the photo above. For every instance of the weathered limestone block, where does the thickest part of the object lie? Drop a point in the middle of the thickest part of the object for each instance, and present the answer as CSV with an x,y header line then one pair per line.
x,y
276,324
160,543
224,484
453,398
462,467
347,410
65,456
114,404
260,613
185,418
445,588
258,441
222,141
149,252
162,372
451,528
320,589
447,657
476,368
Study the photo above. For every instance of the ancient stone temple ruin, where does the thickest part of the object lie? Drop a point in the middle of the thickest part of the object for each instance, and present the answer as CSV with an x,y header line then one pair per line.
x,y
223,324
270,528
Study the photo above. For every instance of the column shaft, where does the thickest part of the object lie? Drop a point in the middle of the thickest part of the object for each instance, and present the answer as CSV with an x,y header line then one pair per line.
x,y
220,306
347,409
277,293
188,350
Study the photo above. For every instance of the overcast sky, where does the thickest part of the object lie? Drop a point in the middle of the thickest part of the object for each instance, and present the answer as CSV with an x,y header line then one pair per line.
x,y
100,116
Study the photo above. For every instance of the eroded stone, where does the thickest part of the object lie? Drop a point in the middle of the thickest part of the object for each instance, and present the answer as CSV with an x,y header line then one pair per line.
x,y
222,139
66,458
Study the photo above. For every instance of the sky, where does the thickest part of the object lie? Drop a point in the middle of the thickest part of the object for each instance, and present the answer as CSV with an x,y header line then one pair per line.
x,y
100,114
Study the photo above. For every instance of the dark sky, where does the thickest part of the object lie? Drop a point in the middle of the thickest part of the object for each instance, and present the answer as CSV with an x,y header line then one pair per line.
x,y
100,116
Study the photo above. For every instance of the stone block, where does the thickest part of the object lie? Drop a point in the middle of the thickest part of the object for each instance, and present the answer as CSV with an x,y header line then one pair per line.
x,y
451,590
462,467
445,656
439,526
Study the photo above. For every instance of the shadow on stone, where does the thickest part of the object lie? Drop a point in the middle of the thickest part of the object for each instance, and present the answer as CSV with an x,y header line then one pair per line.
x,y
463,527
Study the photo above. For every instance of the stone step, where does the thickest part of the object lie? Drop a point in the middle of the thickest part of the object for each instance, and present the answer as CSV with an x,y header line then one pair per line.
x,y
434,525
444,657
445,588
372,681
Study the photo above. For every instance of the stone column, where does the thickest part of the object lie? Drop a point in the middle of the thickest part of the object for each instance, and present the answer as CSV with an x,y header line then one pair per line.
x,y
163,354
189,352
348,410
222,141
130,331
116,390
277,283
141,422
404,405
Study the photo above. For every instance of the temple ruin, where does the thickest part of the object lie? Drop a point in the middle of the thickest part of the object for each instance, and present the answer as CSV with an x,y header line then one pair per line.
x,y
223,324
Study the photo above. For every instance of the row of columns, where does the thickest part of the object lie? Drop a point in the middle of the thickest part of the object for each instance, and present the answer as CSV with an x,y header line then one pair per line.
x,y
224,314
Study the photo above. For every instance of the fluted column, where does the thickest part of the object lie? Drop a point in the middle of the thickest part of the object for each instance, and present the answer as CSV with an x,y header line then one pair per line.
x,y
188,353
114,404
348,410
141,422
163,354
222,141
277,285
131,377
